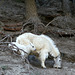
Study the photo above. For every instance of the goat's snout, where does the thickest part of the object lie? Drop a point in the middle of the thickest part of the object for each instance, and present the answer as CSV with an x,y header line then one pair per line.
x,y
35,49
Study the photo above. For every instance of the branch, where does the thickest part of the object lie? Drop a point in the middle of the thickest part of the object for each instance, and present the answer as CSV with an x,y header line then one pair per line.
x,y
47,26
12,46
50,22
7,37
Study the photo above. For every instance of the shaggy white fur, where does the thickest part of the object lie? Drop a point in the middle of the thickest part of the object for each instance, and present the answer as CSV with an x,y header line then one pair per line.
x,y
43,45
22,48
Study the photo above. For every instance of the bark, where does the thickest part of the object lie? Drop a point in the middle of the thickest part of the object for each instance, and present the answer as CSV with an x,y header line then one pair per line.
x,y
66,7
74,5
32,16
31,10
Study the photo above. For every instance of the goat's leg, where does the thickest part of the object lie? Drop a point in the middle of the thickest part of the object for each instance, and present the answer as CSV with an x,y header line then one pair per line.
x,y
42,58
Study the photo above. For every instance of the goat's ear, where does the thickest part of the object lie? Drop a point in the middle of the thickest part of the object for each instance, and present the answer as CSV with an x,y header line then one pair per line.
x,y
30,44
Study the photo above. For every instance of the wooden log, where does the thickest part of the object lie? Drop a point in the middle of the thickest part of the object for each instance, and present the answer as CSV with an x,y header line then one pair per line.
x,y
12,28
13,24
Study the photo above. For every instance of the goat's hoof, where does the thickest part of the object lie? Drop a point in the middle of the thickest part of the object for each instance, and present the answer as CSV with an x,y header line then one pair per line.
x,y
44,67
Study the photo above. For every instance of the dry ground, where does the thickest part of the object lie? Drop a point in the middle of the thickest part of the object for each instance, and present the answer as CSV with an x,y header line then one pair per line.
x,y
10,64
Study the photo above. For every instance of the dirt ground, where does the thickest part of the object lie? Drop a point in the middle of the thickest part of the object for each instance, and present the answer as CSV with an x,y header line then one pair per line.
x,y
11,64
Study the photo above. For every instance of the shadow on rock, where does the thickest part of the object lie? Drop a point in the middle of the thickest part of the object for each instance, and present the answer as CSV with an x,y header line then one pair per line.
x,y
35,62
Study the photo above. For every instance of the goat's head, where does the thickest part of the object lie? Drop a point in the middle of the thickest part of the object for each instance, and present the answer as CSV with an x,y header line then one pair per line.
x,y
57,62
32,47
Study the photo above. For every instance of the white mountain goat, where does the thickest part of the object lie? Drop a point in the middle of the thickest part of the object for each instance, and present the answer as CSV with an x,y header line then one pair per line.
x,y
22,48
43,45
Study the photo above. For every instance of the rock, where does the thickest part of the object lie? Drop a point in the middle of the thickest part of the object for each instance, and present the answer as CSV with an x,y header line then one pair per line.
x,y
35,62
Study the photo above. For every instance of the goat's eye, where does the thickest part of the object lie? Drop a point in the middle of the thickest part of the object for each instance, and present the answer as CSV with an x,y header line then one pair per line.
x,y
60,60
32,46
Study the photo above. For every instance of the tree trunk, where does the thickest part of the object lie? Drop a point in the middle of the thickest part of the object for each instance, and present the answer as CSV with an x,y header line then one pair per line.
x,y
31,10
66,7
74,6
32,16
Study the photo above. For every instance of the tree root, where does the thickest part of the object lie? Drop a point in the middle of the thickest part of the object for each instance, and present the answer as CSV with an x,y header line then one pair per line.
x,y
6,46
36,23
